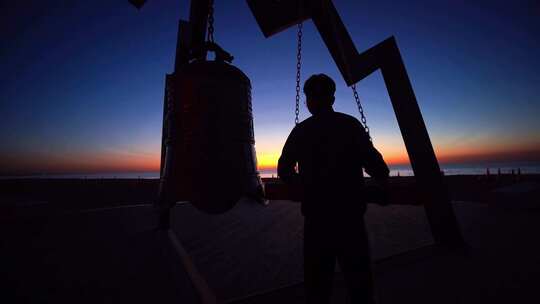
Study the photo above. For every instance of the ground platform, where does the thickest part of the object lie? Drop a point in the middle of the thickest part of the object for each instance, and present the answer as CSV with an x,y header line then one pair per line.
x,y
252,254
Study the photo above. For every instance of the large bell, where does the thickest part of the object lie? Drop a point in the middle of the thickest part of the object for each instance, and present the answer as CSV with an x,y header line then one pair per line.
x,y
210,158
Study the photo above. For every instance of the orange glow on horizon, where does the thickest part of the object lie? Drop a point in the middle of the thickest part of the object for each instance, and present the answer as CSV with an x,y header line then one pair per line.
x,y
121,161
268,161
81,163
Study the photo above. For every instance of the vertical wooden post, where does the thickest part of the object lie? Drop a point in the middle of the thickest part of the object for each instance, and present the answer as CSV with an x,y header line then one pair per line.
x,y
190,42
198,19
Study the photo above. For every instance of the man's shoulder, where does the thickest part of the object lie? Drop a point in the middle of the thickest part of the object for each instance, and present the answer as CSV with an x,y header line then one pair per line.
x,y
337,117
346,118
305,123
331,114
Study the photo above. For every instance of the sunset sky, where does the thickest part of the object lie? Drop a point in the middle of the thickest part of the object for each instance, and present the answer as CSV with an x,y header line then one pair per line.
x,y
82,83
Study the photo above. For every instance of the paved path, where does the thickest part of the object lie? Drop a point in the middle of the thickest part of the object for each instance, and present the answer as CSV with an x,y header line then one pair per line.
x,y
248,254
253,249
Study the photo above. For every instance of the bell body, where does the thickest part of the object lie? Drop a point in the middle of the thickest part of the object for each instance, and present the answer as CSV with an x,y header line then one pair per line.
x,y
210,155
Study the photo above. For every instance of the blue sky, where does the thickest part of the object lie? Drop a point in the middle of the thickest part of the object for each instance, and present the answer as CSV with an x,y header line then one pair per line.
x,y
82,84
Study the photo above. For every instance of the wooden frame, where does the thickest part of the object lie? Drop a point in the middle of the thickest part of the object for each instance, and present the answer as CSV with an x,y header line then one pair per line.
x,y
276,16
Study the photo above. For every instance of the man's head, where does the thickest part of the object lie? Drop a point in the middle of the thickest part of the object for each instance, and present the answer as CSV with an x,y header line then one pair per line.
x,y
319,90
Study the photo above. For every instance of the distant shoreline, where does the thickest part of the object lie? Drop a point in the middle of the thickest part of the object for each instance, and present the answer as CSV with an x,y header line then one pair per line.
x,y
395,170
63,194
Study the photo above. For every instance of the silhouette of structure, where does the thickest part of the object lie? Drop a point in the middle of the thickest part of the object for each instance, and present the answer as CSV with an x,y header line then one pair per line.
x,y
209,128
203,134
276,16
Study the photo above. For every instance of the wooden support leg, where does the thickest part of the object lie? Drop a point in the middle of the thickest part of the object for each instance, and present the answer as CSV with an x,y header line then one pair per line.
x,y
170,129
426,169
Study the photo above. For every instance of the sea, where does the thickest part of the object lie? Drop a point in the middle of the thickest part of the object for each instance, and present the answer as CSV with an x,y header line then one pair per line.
x,y
395,170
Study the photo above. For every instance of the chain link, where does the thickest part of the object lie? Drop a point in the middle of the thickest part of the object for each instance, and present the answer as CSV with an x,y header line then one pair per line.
x,y
298,70
210,35
361,110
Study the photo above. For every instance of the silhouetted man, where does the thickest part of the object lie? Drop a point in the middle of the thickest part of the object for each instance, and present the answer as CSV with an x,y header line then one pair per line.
x,y
330,149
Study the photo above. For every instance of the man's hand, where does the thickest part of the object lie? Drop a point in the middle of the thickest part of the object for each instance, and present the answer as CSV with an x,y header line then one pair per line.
x,y
377,193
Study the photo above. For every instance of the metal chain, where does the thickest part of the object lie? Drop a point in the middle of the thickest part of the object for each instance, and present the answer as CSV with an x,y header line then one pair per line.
x,y
361,110
210,35
298,69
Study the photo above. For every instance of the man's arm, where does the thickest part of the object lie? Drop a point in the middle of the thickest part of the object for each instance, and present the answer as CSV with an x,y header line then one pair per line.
x,y
372,160
289,158
375,165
